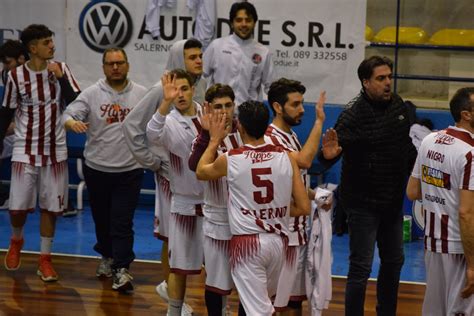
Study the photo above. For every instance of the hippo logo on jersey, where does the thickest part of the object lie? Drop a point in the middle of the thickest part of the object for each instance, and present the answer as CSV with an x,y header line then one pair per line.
x,y
257,59
435,177
443,138
113,113
104,24
258,156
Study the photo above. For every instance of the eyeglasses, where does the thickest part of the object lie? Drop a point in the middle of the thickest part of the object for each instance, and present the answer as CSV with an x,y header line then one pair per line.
x,y
112,63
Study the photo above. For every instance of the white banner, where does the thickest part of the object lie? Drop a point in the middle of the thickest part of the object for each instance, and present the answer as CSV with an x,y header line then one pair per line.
x,y
319,42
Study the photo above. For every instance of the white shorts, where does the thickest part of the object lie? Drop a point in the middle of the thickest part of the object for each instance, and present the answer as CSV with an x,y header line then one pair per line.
x,y
256,262
49,183
216,262
162,207
185,244
292,271
445,279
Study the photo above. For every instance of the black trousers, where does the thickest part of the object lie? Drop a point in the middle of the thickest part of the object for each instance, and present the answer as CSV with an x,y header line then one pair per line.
x,y
113,198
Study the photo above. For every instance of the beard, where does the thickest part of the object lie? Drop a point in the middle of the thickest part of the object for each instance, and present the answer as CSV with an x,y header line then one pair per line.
x,y
290,120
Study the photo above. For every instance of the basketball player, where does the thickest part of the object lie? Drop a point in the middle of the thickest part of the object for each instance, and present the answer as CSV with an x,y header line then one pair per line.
x,y
187,55
37,90
216,228
175,129
286,100
443,176
259,176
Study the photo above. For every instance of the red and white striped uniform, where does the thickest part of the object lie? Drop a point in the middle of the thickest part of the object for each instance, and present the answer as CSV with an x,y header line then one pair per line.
x,y
289,141
260,182
36,96
215,191
444,166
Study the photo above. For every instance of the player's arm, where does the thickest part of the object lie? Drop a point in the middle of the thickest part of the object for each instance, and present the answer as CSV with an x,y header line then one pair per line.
x,y
466,222
209,167
7,110
156,130
305,157
414,189
202,140
300,203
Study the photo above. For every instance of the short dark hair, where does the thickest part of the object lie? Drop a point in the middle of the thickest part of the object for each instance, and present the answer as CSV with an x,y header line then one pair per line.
x,y
13,49
461,101
192,43
219,90
367,66
279,90
254,116
34,32
182,74
114,49
247,6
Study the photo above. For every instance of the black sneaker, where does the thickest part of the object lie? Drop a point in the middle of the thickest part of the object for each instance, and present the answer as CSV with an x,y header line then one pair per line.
x,y
122,280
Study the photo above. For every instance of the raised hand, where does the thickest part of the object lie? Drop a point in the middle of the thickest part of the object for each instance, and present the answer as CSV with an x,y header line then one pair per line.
x,y
320,115
170,90
331,148
217,129
205,116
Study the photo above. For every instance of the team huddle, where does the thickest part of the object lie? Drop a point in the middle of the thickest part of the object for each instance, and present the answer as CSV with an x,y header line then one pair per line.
x,y
232,188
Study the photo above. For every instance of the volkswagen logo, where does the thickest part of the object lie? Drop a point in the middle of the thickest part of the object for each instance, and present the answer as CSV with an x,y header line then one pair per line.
x,y
104,24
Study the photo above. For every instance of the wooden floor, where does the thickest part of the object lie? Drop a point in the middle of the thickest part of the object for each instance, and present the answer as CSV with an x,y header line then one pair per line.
x,y
79,292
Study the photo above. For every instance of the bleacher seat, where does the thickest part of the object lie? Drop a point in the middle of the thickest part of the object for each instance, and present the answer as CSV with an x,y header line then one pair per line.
x,y
406,35
369,33
453,37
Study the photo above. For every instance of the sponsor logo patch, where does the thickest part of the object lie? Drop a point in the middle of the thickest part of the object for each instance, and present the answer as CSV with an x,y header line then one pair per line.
x,y
435,177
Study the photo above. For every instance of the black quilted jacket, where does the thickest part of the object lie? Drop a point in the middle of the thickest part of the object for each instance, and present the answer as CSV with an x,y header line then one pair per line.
x,y
378,154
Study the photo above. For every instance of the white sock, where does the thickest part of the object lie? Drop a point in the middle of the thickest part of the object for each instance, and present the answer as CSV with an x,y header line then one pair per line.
x,y
46,245
175,307
17,233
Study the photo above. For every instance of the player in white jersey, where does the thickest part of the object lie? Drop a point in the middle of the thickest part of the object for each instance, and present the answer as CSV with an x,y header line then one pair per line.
x,y
443,177
286,100
37,91
175,129
216,228
187,55
262,181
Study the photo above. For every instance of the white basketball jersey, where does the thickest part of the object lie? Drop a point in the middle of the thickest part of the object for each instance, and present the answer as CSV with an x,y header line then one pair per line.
x,y
444,167
39,132
289,141
260,187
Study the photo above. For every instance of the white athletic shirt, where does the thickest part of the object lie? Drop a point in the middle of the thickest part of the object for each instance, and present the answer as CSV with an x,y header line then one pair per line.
x,y
40,138
260,187
444,165
176,133
290,142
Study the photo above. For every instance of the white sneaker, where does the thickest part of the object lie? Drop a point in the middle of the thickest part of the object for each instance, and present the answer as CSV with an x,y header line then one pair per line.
x,y
162,290
186,310
104,269
122,280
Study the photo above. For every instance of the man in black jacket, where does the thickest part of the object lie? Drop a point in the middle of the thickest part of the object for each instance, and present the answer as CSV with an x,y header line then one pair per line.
x,y
377,157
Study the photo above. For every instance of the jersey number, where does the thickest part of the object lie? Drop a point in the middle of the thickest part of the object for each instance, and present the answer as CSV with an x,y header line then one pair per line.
x,y
259,183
